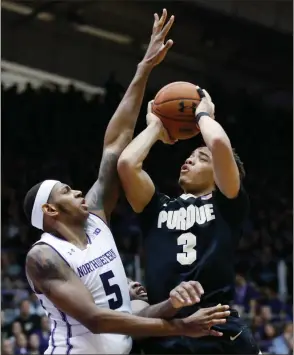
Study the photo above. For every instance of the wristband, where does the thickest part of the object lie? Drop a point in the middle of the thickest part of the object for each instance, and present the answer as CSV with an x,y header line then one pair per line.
x,y
199,115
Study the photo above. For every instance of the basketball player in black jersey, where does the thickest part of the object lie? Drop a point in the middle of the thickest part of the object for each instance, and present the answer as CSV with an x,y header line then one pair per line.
x,y
194,236
55,208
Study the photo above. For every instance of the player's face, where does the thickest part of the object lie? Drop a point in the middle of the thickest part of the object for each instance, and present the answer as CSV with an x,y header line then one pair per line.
x,y
70,204
137,291
197,173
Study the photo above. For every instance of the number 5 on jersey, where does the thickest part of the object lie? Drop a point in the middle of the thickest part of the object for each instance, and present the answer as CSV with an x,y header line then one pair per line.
x,y
111,290
189,255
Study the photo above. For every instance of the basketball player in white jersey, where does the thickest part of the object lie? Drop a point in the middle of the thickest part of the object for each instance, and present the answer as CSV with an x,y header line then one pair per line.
x,y
75,268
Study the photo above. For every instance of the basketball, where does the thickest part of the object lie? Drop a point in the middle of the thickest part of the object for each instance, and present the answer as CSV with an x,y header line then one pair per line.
x,y
175,104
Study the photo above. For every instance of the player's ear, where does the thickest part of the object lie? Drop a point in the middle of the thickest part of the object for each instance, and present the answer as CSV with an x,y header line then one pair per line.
x,y
49,210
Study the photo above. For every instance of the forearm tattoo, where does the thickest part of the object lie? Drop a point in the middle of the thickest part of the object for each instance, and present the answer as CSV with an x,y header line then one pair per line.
x,y
104,191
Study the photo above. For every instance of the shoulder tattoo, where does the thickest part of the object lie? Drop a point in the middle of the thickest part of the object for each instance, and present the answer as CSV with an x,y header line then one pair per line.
x,y
44,265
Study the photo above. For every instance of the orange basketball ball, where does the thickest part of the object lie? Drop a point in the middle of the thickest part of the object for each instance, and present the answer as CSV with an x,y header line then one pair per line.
x,y
175,104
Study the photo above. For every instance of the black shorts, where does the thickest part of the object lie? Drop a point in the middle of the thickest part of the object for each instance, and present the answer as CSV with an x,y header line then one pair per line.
x,y
237,339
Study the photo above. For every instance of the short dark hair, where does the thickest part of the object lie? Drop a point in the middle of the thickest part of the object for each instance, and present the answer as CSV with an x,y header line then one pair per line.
x,y
240,165
29,201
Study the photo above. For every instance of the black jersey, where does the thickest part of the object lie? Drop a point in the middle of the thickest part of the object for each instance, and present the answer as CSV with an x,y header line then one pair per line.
x,y
192,238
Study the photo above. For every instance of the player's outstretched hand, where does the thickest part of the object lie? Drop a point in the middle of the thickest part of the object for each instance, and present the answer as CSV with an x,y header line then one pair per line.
x,y
186,294
163,136
199,324
158,48
206,105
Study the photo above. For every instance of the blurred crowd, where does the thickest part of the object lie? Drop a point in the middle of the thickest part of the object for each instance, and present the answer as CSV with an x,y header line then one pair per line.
x,y
48,133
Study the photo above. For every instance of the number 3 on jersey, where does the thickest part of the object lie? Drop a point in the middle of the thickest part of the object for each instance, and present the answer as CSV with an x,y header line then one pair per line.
x,y
111,290
189,255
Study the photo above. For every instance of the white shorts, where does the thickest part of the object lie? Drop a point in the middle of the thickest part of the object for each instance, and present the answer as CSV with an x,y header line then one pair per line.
x,y
90,343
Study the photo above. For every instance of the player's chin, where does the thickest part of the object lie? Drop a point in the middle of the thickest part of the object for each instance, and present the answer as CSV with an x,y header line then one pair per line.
x,y
143,297
183,181
84,213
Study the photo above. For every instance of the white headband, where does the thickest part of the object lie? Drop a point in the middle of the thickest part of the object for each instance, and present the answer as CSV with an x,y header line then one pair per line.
x,y
41,198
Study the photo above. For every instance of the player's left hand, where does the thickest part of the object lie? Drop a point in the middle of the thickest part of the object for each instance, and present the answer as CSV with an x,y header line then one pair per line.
x,y
199,324
206,104
186,294
151,117
157,49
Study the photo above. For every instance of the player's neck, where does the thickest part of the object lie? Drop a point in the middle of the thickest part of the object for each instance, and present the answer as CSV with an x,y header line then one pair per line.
x,y
74,234
198,193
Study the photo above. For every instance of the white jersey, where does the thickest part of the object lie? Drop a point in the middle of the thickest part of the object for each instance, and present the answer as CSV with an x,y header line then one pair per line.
x,y
100,268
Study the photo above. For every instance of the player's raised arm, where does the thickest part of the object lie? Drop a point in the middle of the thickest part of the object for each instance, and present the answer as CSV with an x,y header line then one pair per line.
x,y
226,173
103,195
136,183
51,276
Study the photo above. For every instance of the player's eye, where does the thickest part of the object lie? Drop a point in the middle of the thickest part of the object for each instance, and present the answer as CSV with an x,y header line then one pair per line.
x,y
203,157
66,189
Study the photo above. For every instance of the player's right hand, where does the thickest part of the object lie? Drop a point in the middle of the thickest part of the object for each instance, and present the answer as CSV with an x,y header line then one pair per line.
x,y
151,117
186,294
199,324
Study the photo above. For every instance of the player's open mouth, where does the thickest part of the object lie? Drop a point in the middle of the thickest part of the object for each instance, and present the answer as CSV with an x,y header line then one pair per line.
x,y
184,168
141,292
84,205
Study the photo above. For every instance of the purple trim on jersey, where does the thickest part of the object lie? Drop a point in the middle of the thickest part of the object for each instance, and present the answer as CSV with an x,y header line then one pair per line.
x,y
52,337
42,304
41,241
54,328
69,333
99,218
89,239
68,326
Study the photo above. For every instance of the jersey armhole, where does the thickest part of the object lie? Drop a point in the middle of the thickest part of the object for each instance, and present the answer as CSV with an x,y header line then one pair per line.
x,y
151,211
157,201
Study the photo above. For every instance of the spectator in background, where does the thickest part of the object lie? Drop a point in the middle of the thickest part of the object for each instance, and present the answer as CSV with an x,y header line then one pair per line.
x,y
4,327
30,322
36,307
21,344
266,343
34,345
266,314
283,344
272,300
7,347
246,295
16,329
43,334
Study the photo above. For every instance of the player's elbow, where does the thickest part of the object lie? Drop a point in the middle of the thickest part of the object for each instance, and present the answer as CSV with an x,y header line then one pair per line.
x,y
126,165
222,143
